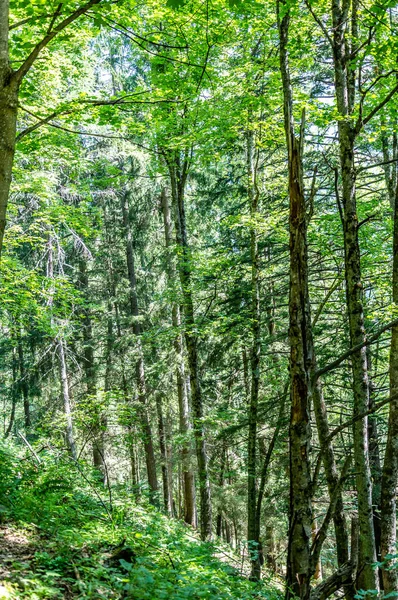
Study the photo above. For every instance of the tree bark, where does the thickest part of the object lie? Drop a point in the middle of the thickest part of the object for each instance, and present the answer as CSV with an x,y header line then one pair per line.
x,y
183,405
139,366
345,84
8,124
375,465
299,563
23,381
14,394
8,116
178,175
167,492
70,438
389,480
252,530
332,478
99,422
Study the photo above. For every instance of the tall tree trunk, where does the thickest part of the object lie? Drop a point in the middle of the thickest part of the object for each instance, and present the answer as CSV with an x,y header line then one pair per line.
x,y
221,485
246,378
24,382
113,307
270,551
14,392
8,118
140,366
178,176
167,492
332,478
252,530
183,405
389,480
70,439
99,423
345,83
299,569
375,465
61,355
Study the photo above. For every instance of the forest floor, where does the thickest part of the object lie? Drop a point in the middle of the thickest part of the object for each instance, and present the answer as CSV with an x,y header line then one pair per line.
x,y
63,536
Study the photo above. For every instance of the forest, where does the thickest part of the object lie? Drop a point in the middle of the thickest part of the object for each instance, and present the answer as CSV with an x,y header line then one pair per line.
x,y
198,299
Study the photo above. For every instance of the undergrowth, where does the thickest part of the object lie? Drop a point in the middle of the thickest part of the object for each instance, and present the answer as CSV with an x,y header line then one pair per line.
x,y
83,542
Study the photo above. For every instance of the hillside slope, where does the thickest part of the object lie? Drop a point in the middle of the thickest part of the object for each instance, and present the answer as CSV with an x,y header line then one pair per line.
x,y
64,536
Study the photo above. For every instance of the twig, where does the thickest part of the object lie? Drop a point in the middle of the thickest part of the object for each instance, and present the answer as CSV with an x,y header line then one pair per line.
x,y
23,438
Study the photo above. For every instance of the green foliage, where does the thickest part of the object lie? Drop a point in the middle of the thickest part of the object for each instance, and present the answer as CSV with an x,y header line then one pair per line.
x,y
60,508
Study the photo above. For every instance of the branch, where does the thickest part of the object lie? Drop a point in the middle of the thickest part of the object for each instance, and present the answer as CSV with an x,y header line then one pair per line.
x,y
361,416
321,25
333,583
23,438
55,16
114,102
40,122
322,533
380,164
29,19
322,305
362,122
334,364
315,477
311,197
26,66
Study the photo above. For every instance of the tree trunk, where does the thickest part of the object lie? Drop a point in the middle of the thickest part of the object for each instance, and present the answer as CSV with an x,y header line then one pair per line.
x,y
178,180
345,84
221,485
183,406
332,478
70,439
23,381
114,307
299,567
318,567
375,466
8,120
389,480
252,530
99,422
167,492
270,552
14,392
139,366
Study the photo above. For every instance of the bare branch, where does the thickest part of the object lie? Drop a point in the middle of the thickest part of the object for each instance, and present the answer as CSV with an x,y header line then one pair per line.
x,y
336,363
322,532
